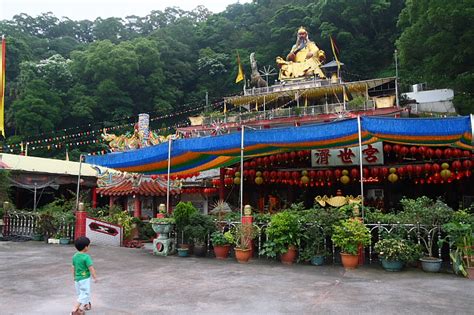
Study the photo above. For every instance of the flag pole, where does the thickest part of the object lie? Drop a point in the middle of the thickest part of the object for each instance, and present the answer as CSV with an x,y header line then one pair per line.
x,y
361,169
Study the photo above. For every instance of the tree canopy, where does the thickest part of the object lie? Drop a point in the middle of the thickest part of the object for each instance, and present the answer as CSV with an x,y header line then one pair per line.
x,y
63,73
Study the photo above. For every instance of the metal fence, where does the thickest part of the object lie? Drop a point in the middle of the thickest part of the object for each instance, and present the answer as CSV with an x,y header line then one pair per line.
x,y
24,223
416,233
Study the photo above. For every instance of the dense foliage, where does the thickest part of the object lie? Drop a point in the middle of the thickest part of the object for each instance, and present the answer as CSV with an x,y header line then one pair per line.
x,y
92,74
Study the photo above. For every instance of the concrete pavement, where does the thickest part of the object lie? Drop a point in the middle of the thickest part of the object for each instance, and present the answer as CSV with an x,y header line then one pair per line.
x,y
35,278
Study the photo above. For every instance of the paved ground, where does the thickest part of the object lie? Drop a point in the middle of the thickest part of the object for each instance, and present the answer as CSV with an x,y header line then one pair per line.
x,y
35,278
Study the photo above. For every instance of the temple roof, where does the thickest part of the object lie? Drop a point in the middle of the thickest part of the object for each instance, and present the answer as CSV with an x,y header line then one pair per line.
x,y
146,187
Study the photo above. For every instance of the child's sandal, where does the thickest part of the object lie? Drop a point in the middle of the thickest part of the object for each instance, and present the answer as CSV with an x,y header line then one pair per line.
x,y
88,306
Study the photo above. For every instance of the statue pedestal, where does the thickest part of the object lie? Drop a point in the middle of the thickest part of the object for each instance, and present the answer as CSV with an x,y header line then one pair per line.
x,y
164,246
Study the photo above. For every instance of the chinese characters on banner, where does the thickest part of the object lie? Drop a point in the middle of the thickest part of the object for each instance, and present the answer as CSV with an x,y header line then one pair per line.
x,y
372,154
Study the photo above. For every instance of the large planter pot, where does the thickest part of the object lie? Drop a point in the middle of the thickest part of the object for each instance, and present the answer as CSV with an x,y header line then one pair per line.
x,y
349,261
391,265
64,241
183,252
161,228
243,255
200,250
470,273
431,264
222,252
317,260
38,237
289,257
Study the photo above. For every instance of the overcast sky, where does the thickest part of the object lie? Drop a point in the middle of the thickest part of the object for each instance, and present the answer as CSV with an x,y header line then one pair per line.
x,y
91,9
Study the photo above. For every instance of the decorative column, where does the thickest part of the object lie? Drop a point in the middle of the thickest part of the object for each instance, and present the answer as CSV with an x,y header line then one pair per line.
x,y
137,209
94,197
247,219
111,201
80,227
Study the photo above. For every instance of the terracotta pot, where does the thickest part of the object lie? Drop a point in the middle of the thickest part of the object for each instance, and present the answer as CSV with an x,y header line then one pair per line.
x,y
243,255
289,257
222,252
349,261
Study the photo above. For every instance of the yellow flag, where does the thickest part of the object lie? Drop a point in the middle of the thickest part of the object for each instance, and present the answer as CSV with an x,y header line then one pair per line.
x,y
225,107
2,87
240,74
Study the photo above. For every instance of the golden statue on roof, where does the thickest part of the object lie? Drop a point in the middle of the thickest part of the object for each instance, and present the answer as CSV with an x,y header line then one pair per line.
x,y
304,59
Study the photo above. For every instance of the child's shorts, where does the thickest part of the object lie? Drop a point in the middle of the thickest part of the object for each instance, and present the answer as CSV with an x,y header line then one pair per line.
x,y
83,290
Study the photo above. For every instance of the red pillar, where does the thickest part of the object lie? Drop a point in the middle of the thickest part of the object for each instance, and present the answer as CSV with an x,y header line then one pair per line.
x,y
221,185
137,209
80,227
94,197
111,201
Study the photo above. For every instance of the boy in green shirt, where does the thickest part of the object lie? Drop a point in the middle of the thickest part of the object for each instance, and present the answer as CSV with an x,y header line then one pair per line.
x,y
82,270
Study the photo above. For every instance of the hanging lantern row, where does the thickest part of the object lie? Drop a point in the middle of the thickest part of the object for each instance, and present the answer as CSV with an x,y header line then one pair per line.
x,y
278,159
175,177
423,152
200,190
459,169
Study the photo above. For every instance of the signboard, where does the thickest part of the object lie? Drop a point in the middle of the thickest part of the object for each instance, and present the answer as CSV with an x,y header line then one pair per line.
x,y
372,154
100,232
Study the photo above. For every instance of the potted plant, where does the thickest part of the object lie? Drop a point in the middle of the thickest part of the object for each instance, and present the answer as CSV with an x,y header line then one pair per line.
x,y
182,213
63,239
162,225
241,236
395,252
200,227
431,215
283,237
348,235
221,244
459,237
313,249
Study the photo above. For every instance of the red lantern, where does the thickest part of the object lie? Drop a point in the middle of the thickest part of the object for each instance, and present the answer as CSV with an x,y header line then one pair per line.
x,y
246,173
448,153
467,173
286,156
422,150
456,165
287,175
253,164
154,177
427,167
387,148
328,174
466,153
295,175
418,170
413,150
266,174
457,153
337,173
436,168
319,174
409,169
259,161
365,172
436,176
404,151
246,164
252,173
266,160
384,171
466,164
292,155
438,153
273,174
401,170
429,153
312,174
396,148
374,172
355,172
272,159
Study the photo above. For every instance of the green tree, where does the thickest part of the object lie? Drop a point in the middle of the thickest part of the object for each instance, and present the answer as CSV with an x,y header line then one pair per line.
x,y
436,47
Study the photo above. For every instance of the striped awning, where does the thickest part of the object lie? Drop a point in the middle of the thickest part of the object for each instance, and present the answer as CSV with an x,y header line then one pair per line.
x,y
199,154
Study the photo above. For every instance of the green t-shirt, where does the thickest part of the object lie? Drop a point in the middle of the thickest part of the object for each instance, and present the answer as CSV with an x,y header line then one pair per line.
x,y
81,263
